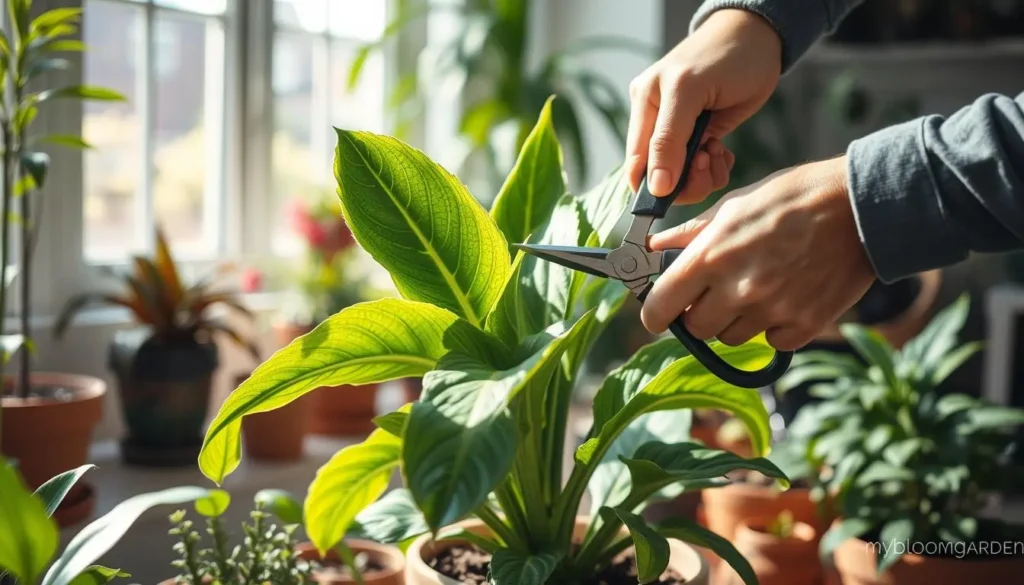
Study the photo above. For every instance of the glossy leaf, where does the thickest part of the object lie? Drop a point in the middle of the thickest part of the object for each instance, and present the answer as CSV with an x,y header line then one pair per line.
x,y
280,503
422,224
353,479
28,537
625,382
510,567
605,204
394,422
363,344
53,492
99,575
213,504
689,531
652,550
102,534
390,520
535,185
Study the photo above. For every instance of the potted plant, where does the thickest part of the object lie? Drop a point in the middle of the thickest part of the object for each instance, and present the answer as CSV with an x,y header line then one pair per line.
x,y
29,536
911,469
47,418
781,550
164,368
498,342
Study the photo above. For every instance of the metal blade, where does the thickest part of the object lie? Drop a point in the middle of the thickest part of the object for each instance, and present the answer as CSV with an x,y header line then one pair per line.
x,y
590,260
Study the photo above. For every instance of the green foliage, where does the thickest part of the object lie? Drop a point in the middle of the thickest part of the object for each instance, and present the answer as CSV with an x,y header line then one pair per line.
x,y
499,342
267,554
904,462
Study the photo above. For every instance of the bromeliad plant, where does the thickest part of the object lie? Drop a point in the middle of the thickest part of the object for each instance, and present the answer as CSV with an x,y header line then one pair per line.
x,y
904,463
498,341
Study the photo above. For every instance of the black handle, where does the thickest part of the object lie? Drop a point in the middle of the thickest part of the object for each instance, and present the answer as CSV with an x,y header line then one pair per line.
x,y
762,378
647,204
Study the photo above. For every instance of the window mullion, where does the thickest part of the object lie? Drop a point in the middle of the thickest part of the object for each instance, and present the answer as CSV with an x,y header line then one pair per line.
x,y
214,114
321,110
146,215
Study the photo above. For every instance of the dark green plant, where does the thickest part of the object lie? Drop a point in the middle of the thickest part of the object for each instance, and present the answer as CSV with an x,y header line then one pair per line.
x,y
903,462
29,537
267,553
486,57
499,341
28,50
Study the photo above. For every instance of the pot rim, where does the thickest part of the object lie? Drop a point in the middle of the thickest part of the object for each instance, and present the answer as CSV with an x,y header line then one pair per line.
x,y
84,388
756,529
391,557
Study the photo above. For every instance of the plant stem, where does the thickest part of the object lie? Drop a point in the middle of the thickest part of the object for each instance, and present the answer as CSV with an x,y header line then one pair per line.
x,y
5,228
24,287
500,529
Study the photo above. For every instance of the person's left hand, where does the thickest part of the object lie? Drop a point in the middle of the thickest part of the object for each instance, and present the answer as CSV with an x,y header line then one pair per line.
x,y
782,256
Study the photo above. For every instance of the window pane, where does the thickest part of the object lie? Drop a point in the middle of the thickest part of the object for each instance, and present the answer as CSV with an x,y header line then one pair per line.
x,y
297,171
186,143
363,107
112,170
310,15
358,19
197,6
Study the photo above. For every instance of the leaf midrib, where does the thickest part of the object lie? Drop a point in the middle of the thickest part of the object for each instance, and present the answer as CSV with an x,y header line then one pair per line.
x,y
460,296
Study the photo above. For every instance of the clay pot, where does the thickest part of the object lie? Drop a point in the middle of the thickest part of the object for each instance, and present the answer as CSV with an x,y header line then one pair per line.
x,y
50,436
778,561
685,559
337,411
727,507
387,556
856,560
277,435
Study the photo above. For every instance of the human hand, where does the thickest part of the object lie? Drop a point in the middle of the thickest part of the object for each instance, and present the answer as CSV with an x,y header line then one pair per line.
x,y
782,256
730,65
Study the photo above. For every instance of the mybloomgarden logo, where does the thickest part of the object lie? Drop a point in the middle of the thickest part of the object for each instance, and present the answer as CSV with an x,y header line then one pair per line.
x,y
984,548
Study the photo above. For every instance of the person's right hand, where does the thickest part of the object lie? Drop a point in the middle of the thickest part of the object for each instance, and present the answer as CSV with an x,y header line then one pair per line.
x,y
731,65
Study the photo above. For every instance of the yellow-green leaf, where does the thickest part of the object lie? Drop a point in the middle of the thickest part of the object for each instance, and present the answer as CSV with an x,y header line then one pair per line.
x,y
422,224
28,538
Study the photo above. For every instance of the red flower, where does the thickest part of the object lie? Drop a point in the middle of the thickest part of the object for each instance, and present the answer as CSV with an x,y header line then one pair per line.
x,y
252,280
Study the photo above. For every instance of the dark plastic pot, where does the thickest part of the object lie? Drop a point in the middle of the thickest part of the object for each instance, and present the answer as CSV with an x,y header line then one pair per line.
x,y
165,393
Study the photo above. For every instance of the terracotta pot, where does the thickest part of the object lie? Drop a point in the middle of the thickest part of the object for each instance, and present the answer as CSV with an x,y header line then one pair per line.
x,y
778,561
276,435
337,411
49,437
685,559
726,507
856,561
387,556
706,433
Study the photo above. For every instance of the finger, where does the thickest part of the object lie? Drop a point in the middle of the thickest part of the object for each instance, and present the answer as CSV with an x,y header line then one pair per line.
x,y
719,172
643,113
709,315
677,113
699,183
788,338
676,289
730,159
740,331
682,235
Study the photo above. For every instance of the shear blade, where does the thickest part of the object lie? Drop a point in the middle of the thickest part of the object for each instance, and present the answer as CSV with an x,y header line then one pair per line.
x,y
590,260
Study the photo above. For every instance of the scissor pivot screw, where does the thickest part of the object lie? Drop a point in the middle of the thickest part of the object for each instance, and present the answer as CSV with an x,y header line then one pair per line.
x,y
629,264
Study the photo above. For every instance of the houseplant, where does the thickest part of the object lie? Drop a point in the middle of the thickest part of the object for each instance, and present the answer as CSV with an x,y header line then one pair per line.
x,y
498,342
48,418
910,468
29,537
486,62
164,367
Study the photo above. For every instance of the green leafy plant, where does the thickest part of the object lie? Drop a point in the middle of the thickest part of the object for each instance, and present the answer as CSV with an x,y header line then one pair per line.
x,y
29,537
28,50
498,341
903,462
488,54
782,525
158,298
267,554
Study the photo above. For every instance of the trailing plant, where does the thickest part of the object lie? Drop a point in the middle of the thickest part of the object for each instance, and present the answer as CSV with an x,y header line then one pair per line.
x,y
499,341
903,462
28,50
158,298
267,553
29,537
487,56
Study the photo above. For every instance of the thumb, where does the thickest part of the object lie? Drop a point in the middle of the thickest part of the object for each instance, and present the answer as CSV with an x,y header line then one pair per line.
x,y
683,234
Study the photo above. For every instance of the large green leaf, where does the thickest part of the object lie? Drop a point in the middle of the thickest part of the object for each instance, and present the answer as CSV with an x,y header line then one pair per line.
x,y
605,204
939,337
652,550
422,224
28,538
391,519
98,575
363,344
102,534
689,531
626,381
460,439
353,479
52,492
510,567
534,186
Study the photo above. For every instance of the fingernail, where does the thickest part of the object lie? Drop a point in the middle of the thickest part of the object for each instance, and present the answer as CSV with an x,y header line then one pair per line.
x,y
703,162
661,181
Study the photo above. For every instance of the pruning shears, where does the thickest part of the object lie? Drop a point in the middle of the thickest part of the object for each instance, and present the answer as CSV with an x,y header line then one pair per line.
x,y
634,264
